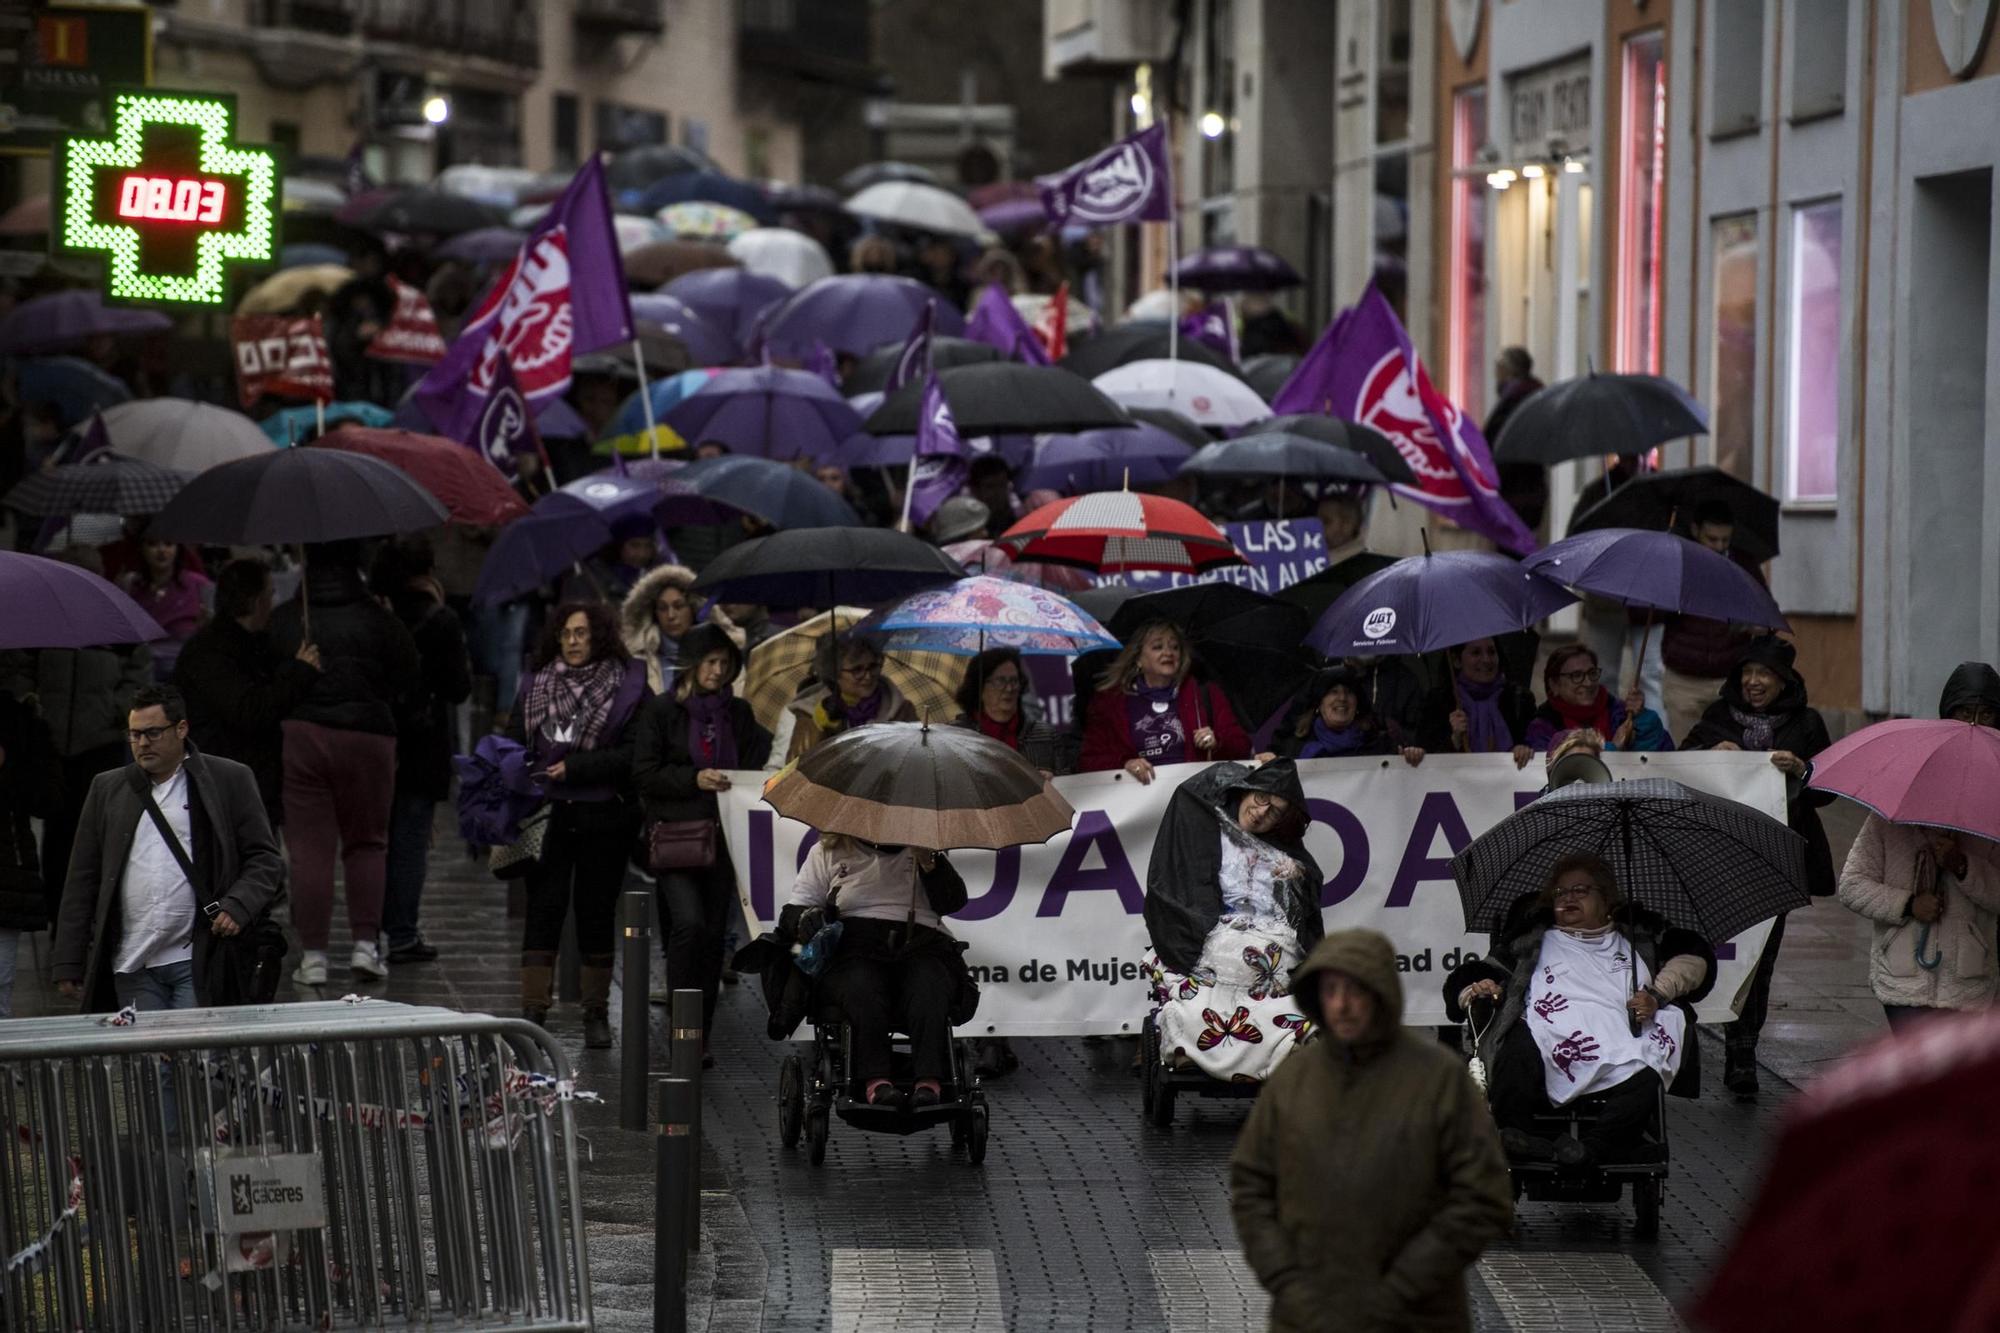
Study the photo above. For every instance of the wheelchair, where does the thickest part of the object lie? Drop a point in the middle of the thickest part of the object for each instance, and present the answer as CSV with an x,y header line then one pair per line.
x,y
1160,1083
810,1096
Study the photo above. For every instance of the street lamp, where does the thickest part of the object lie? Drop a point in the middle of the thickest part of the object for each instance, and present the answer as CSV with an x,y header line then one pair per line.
x,y
1212,124
437,108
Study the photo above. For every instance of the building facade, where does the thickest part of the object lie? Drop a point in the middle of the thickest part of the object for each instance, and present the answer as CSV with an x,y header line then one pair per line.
x,y
1786,206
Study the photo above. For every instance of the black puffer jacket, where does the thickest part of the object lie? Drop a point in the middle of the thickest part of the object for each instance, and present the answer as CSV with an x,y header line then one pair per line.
x,y
1797,728
30,788
423,723
1970,683
238,690
368,661
1184,878
663,766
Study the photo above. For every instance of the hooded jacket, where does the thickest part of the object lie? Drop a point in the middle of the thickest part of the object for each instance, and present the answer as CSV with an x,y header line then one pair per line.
x,y
1384,736
1970,683
636,624
1369,1174
663,767
1881,877
1184,878
1796,727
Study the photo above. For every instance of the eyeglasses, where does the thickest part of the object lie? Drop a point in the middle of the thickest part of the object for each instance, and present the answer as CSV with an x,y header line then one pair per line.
x,y
1277,805
1589,677
149,734
1574,890
1003,682
862,671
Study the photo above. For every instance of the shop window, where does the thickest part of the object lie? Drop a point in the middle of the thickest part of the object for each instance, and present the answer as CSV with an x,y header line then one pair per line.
x,y
1817,30
1736,68
567,122
1641,202
1813,372
1466,360
1732,344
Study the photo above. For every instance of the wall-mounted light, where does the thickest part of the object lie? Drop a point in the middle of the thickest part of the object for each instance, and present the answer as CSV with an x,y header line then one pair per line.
x,y
1212,124
1499,180
1139,106
1531,171
1573,165
437,108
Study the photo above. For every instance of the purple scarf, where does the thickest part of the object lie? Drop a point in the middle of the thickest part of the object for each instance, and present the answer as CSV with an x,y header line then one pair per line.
x,y
859,713
1486,729
711,741
1327,743
1157,734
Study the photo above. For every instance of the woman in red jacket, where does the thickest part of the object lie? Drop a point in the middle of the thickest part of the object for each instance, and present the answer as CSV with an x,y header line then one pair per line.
x,y
1147,711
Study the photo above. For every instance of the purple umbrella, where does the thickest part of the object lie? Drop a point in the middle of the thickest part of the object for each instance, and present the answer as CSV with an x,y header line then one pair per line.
x,y
1426,602
855,313
766,411
47,604
558,419
560,530
730,299
1015,215
1659,571
63,320
1237,268
707,344
484,245
1105,460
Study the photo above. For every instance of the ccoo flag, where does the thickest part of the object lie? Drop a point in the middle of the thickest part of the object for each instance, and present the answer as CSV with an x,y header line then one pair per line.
x,y
939,464
563,294
1131,181
1364,369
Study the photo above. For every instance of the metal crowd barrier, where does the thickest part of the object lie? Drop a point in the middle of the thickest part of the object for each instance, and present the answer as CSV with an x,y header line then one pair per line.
x,y
298,1166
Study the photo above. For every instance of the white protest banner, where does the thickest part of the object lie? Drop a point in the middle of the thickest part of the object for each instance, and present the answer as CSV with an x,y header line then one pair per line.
x,y
1056,934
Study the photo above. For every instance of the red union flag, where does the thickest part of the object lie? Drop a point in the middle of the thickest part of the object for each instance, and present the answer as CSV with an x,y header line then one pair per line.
x,y
283,356
411,334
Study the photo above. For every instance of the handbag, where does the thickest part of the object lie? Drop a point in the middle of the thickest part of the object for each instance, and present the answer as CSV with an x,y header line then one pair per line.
x,y
520,856
680,844
244,968
817,954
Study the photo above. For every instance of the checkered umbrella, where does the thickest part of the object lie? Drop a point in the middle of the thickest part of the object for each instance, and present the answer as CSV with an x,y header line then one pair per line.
x,y
108,484
1705,863
780,664
1120,531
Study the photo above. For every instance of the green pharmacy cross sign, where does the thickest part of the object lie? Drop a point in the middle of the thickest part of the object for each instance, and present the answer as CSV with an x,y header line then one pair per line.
x,y
168,200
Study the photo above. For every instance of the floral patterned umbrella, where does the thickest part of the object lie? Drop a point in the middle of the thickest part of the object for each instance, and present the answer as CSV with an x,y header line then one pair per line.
x,y
984,612
698,220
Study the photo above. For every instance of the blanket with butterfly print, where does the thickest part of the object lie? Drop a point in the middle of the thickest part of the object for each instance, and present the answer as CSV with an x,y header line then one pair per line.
x,y
1233,1016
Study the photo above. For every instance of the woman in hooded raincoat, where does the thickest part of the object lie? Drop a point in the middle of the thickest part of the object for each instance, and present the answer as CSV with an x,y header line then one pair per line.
x,y
1232,905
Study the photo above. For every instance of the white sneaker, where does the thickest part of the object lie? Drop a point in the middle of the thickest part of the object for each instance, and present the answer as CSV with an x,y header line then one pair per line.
x,y
312,968
368,961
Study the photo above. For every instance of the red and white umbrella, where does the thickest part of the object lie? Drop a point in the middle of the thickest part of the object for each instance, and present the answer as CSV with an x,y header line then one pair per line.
x,y
1120,531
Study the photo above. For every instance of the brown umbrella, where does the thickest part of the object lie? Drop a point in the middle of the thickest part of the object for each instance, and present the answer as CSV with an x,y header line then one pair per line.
x,y
910,784
659,262
779,666
289,290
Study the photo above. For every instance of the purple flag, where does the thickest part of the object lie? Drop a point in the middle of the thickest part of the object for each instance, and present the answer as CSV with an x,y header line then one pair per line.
x,y
563,294
915,361
1212,326
995,322
1364,369
939,464
824,363
504,429
1131,181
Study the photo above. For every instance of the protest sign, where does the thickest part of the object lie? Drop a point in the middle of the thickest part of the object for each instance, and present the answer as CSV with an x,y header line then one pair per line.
x,y
284,356
1055,930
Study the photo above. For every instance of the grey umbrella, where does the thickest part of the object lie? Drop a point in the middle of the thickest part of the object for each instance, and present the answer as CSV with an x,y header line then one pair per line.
x,y
108,484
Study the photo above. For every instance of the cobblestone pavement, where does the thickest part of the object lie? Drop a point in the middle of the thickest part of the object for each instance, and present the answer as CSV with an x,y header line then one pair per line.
x,y
1082,1216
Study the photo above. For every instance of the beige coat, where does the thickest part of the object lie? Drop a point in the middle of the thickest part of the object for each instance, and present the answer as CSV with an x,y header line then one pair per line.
x,y
806,730
1879,880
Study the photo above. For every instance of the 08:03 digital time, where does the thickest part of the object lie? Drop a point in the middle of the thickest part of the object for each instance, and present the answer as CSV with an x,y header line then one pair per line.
x,y
164,199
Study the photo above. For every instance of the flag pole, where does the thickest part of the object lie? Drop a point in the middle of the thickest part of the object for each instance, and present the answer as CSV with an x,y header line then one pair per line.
x,y
645,396
1173,254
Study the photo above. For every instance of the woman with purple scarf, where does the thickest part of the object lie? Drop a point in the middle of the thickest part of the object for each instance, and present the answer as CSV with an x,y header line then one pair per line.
x,y
1480,711
848,690
686,742
577,707
1338,722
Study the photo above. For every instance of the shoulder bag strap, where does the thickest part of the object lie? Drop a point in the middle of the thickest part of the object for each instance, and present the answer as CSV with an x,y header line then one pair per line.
x,y
173,842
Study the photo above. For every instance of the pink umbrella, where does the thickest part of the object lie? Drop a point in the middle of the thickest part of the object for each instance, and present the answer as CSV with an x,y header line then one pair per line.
x,y
1915,771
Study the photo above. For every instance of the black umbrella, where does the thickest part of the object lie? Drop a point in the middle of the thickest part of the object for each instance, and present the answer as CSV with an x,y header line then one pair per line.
x,y
871,372
720,490
1003,398
827,567
1593,415
1283,456
1705,863
1103,601
1267,374
297,495
1248,643
1182,428
874,173
808,199
437,212
1314,595
1370,443
1091,356
1655,499
636,168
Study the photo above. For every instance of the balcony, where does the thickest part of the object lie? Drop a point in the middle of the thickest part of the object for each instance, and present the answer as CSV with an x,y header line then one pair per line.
x,y
616,18
825,41
505,31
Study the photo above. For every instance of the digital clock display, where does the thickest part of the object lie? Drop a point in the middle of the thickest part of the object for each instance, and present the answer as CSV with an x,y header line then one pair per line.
x,y
165,199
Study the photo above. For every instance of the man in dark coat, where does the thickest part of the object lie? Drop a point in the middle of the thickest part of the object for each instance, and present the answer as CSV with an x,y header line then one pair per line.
x,y
134,928
1368,1176
1524,486
1971,694
402,573
238,689
1763,708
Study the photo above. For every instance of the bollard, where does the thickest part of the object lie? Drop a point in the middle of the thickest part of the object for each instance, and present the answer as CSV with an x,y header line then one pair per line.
x,y
635,915
686,1064
676,1172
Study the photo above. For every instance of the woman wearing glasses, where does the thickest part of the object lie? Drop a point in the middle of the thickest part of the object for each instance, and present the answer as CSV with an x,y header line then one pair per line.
x,y
993,696
848,691
1578,700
